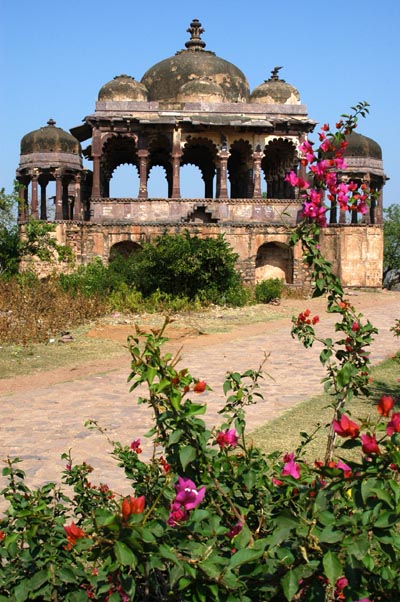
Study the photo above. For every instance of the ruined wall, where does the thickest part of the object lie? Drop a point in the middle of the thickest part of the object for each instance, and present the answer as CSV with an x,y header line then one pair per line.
x,y
355,251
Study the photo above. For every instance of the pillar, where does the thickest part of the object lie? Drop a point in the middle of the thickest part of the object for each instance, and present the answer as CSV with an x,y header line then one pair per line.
x,y
34,196
143,158
223,175
176,184
96,176
78,202
59,196
257,155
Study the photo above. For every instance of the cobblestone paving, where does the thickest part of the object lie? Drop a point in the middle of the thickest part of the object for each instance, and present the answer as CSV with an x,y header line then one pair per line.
x,y
39,425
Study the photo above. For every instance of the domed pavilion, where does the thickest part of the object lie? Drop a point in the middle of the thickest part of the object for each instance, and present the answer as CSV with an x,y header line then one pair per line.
x,y
195,108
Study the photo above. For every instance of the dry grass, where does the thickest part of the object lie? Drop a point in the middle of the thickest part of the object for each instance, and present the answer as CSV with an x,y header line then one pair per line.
x,y
33,311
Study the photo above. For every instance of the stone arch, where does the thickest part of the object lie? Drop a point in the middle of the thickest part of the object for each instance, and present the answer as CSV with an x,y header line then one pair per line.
x,y
274,260
160,149
117,150
280,157
124,248
240,169
202,153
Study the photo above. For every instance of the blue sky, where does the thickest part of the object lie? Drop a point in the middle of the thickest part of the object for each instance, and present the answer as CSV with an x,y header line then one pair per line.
x,y
55,56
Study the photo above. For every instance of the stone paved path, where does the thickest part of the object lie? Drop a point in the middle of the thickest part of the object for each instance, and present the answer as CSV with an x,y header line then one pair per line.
x,y
39,425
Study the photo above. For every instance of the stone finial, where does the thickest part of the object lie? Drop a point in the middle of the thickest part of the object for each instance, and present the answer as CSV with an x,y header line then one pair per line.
x,y
51,122
275,73
195,30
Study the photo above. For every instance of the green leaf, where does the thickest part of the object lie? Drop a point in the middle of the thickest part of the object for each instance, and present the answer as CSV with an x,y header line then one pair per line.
x,y
195,408
244,556
332,567
186,455
290,585
124,555
175,436
38,579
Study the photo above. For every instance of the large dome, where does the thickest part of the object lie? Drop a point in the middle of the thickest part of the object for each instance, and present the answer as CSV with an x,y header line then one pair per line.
x,y
165,79
50,139
123,87
362,146
275,91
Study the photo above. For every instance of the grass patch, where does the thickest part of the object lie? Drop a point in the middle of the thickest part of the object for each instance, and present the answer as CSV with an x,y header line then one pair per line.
x,y
283,433
20,360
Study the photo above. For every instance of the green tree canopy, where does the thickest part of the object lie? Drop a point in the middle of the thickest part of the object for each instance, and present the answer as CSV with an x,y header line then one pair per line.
x,y
391,253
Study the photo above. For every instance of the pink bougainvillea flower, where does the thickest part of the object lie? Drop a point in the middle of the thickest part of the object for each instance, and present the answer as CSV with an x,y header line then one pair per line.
x,y
369,444
187,497
73,533
2,535
177,515
187,493
235,530
277,482
227,438
385,405
135,446
394,425
290,468
132,505
355,326
346,427
345,467
200,386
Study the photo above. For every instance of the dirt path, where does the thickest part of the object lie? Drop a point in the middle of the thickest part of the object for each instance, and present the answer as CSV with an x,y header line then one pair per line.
x,y
43,415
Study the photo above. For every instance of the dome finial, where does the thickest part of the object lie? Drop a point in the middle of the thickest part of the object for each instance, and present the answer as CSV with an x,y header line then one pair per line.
x,y
275,73
195,30
51,122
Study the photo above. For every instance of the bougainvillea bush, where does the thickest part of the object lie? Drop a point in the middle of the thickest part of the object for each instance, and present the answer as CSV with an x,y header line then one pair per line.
x,y
210,517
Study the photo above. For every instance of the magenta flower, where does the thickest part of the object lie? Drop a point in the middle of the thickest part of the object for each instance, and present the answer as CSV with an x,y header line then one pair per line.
x,y
290,468
394,425
187,494
227,438
235,530
135,446
369,445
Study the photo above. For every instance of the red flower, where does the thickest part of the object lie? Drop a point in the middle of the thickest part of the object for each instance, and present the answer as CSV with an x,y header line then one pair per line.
x,y
346,427
394,425
132,505
200,386
227,438
369,445
135,446
2,535
73,534
385,404
355,326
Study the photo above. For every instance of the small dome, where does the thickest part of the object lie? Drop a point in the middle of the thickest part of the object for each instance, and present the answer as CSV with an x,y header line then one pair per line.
x,y
165,80
50,139
362,146
201,89
275,91
123,87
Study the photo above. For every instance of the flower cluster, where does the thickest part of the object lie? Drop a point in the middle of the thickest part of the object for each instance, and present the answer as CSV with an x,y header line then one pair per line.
x,y
227,438
304,318
73,533
131,505
187,498
323,165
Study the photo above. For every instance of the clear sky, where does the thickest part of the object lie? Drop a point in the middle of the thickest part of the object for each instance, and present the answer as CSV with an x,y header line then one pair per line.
x,y
55,56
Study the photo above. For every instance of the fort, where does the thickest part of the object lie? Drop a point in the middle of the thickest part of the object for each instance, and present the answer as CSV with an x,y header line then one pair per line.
x,y
197,108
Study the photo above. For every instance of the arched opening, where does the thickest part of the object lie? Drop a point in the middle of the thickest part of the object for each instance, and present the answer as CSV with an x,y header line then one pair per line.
x,y
124,182
125,248
192,183
278,161
240,170
157,184
198,168
274,260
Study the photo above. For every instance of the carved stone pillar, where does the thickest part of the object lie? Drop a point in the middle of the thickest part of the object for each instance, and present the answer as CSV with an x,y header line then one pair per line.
x,y
257,156
223,174
77,202
59,196
96,176
143,158
34,196
43,201
176,183
22,202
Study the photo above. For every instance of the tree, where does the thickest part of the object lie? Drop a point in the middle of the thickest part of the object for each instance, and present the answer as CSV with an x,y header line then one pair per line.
x,y
391,252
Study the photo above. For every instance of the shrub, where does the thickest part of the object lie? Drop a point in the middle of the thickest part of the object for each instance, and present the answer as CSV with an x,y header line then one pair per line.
x,y
268,290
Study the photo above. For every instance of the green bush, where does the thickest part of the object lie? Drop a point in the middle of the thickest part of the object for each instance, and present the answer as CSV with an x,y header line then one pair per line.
x,y
268,290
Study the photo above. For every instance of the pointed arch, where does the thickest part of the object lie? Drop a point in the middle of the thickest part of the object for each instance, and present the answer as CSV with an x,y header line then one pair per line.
x,y
280,157
240,169
274,260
